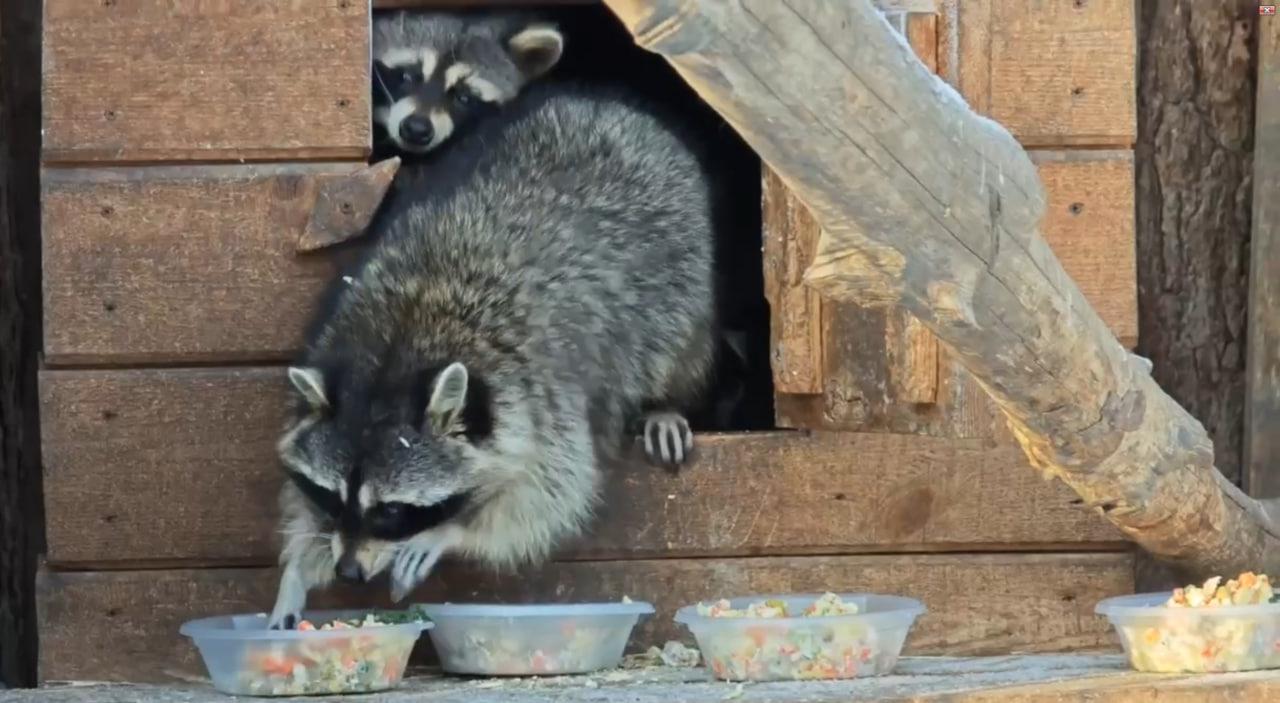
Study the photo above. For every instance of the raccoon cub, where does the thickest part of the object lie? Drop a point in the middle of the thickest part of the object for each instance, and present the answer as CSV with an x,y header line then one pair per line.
x,y
434,74
503,335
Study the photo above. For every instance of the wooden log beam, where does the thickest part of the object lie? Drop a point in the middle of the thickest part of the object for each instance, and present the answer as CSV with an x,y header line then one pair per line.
x,y
927,205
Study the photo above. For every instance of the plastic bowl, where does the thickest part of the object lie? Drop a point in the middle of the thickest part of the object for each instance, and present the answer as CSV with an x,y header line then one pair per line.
x,y
532,640
1161,639
243,657
799,648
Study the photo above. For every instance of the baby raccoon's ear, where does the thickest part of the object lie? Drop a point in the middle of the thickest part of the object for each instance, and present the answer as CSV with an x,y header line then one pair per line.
x,y
536,49
448,399
310,383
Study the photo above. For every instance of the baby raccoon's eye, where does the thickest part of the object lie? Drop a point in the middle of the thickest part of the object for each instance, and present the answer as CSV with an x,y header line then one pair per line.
x,y
462,95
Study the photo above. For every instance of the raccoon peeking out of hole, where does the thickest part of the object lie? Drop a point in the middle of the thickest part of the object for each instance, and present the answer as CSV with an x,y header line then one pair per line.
x,y
461,385
436,74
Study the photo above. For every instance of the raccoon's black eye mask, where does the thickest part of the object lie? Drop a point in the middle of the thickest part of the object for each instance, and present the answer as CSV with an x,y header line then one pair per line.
x,y
328,501
392,80
393,521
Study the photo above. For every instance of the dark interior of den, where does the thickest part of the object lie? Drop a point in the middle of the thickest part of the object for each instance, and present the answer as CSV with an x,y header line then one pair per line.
x,y
599,51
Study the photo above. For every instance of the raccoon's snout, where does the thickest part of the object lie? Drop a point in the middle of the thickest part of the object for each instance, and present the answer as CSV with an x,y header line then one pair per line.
x,y
417,130
348,569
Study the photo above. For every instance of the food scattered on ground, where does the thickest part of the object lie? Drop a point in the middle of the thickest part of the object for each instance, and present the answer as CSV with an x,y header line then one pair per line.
x,y
1195,635
677,654
359,663
805,646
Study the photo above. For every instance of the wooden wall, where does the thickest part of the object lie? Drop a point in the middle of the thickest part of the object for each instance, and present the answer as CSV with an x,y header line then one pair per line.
x,y
175,192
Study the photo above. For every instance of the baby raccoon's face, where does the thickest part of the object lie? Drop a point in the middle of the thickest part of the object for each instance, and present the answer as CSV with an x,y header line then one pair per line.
x,y
385,467
435,74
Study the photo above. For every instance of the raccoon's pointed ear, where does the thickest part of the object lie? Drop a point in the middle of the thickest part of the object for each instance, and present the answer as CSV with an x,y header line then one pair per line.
x,y
536,49
448,398
310,383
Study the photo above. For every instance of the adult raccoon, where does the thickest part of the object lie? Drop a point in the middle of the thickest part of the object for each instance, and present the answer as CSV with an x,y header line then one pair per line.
x,y
509,328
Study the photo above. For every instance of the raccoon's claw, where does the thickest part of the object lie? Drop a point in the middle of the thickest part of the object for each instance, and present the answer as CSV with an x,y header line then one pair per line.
x,y
288,622
412,565
668,441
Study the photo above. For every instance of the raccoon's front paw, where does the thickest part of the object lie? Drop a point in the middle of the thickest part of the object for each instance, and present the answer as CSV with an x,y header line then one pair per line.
x,y
290,601
412,564
668,441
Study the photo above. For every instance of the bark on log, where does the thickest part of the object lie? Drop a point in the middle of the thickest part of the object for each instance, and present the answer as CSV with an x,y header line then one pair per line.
x,y
927,205
1193,171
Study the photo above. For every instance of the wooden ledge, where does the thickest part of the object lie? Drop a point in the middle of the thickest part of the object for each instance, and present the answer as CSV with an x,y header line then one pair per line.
x,y
1024,679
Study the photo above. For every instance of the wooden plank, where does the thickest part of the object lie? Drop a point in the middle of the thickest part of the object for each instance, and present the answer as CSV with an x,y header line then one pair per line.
x,y
790,238
1028,678
1053,73
1262,380
179,264
141,80
1042,603
1089,224
179,464
117,291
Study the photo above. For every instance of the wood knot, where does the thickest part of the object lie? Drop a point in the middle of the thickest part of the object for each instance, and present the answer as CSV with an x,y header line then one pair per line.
x,y
107,211
1080,4
110,115
344,103
108,3
1075,208
346,207
1077,92
109,415
109,305
907,512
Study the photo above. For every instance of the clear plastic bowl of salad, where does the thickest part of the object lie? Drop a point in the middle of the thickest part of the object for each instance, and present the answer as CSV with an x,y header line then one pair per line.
x,y
801,636
330,652
1162,638
532,640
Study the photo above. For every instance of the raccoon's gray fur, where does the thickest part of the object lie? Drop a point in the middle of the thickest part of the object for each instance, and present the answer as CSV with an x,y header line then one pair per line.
x,y
435,73
505,333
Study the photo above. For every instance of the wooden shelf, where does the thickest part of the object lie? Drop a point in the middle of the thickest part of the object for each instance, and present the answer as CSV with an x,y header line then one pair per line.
x,y
1025,679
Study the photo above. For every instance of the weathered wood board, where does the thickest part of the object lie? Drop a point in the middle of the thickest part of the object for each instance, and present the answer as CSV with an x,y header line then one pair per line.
x,y
1262,382
179,264
180,464
1028,678
842,366
1055,73
218,80
977,604
1089,224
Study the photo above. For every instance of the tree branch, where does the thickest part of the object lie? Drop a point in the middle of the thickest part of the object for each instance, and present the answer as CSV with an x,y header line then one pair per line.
x,y
927,205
